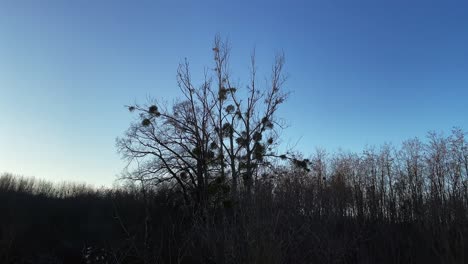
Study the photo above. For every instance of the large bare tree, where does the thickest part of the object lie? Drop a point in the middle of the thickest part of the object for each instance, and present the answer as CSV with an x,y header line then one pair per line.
x,y
213,134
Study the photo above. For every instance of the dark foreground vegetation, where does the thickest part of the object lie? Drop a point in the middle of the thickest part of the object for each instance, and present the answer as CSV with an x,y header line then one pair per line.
x,y
382,206
207,183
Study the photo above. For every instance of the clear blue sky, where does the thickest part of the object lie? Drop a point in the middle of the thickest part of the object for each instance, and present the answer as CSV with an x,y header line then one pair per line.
x,y
360,72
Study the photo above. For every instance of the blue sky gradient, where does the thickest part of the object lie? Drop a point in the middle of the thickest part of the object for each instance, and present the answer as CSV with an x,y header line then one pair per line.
x,y
360,72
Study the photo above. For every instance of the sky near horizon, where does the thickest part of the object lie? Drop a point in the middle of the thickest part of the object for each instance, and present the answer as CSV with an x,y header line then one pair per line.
x,y
360,72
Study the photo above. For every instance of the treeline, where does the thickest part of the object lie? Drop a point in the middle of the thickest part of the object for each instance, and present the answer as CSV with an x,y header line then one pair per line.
x,y
384,205
421,182
42,222
30,185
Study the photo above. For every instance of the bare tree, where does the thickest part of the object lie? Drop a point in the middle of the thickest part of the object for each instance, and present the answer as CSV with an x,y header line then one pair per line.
x,y
254,131
173,143
210,132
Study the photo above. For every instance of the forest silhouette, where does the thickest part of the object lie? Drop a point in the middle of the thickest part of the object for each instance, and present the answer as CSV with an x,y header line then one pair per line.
x,y
207,182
